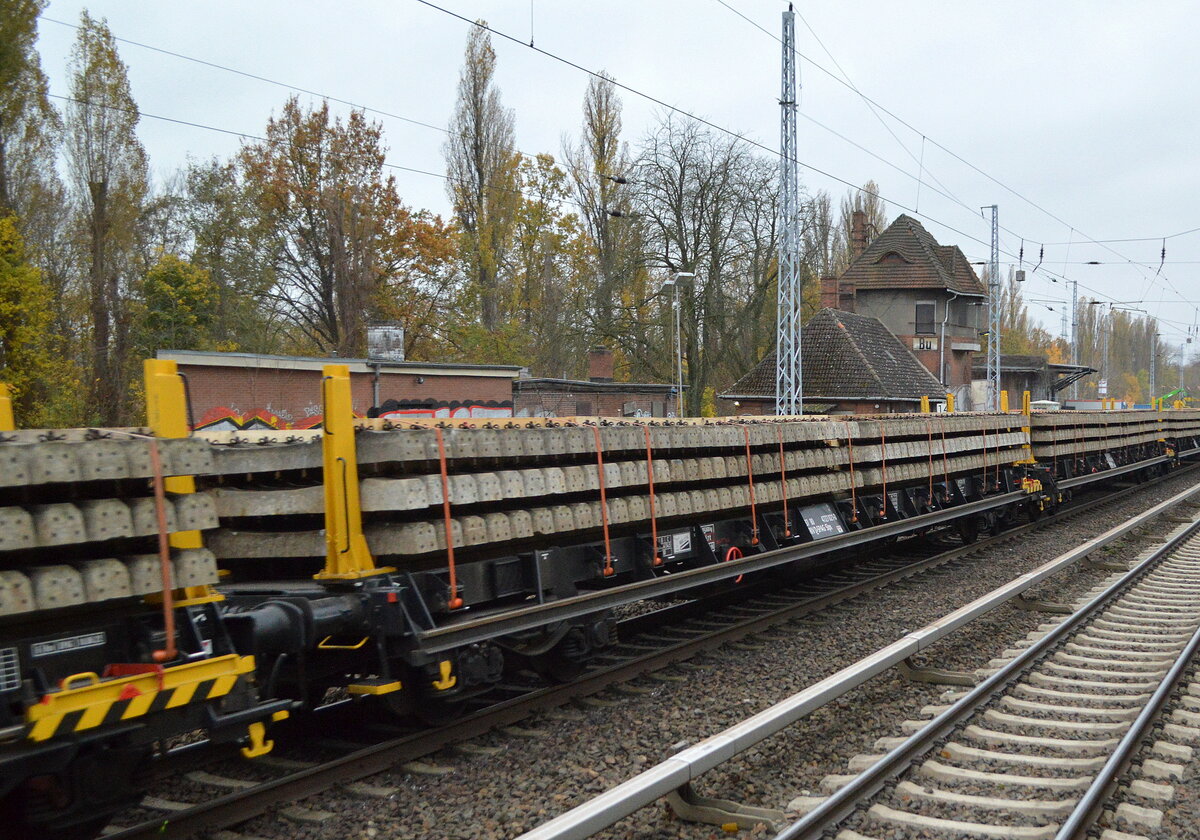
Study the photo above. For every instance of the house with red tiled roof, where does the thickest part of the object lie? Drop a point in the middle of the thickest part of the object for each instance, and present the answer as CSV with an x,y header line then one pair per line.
x,y
925,293
850,364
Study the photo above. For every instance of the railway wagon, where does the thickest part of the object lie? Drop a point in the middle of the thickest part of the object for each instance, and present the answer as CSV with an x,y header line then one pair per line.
x,y
156,583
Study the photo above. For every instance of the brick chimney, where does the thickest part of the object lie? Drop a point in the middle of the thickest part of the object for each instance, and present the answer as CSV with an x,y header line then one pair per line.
x,y
858,233
829,293
837,294
600,364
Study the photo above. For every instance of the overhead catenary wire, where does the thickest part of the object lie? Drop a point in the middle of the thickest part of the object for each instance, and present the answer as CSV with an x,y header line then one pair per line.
x,y
389,114
774,152
259,138
701,120
872,103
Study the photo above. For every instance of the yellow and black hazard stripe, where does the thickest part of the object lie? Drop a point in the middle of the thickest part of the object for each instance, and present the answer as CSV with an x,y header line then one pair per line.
x,y
108,701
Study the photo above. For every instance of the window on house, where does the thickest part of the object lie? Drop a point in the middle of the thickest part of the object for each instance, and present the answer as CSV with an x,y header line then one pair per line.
x,y
924,318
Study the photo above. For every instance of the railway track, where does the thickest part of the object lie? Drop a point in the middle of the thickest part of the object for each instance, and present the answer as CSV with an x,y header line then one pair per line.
x,y
652,642
1037,748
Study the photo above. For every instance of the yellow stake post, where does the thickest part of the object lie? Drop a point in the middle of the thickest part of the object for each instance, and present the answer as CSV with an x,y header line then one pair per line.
x,y
925,405
7,423
347,556
1027,412
1004,402
950,403
167,417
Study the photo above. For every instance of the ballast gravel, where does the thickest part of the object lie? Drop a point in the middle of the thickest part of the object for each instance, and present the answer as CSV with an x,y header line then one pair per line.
x,y
577,752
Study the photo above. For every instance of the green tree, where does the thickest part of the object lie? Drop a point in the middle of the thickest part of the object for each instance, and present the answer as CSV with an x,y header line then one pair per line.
x,y
41,377
109,183
481,165
177,309
29,125
230,240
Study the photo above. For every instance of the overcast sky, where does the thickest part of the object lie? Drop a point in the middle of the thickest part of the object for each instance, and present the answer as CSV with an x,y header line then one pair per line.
x,y
1088,110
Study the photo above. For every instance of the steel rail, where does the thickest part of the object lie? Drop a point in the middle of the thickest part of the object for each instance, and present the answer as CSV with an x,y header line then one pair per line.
x,y
229,809
1089,807
842,803
682,768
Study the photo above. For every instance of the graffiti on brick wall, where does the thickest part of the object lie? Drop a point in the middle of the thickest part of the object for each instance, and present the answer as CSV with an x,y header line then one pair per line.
x,y
399,410
232,419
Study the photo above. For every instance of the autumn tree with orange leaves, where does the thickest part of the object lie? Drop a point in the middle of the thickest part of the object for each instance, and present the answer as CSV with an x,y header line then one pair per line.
x,y
341,236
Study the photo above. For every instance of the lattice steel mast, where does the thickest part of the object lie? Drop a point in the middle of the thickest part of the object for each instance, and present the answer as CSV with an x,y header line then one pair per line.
x,y
789,393
994,290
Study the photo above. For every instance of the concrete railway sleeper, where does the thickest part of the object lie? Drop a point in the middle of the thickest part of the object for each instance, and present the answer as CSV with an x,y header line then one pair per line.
x,y
461,555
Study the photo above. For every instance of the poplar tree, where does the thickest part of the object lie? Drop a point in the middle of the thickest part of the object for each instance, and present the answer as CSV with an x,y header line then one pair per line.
x,y
109,182
29,125
600,168
867,200
481,168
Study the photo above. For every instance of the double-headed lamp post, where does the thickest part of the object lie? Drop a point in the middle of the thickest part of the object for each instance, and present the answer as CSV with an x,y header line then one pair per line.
x,y
673,281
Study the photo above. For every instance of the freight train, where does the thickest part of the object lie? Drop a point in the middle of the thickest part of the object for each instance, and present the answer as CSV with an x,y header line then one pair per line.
x,y
157,583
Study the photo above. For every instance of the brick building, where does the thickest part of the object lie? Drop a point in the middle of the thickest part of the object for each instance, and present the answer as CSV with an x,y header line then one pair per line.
x,y
597,396
851,364
926,294
247,390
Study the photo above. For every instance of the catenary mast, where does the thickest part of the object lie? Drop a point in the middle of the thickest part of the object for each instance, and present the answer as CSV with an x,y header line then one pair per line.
x,y
789,394
994,299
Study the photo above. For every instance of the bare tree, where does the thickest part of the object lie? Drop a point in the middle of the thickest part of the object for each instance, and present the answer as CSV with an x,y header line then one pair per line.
x,y
709,206
481,165
822,239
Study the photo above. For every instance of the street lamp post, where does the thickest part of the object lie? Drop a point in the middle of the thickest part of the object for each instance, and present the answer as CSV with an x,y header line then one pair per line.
x,y
1153,366
673,281
1107,329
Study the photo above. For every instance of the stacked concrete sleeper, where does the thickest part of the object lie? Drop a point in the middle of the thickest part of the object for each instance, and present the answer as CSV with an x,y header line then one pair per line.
x,y
77,520
76,513
541,485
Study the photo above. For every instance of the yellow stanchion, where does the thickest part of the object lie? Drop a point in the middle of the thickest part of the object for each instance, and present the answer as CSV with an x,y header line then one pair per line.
x,y
347,556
